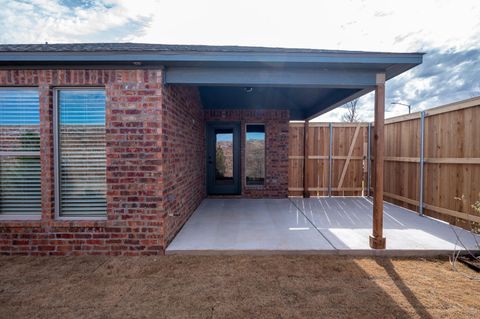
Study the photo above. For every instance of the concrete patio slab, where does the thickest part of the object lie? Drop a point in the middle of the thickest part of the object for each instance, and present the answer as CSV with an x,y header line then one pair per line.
x,y
347,222
337,225
238,225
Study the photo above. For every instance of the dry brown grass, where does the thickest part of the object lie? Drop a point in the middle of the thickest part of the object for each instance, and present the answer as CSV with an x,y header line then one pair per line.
x,y
234,287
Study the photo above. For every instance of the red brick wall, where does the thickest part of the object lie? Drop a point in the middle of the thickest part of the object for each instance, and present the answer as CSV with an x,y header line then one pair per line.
x,y
143,185
276,143
183,155
134,177
155,146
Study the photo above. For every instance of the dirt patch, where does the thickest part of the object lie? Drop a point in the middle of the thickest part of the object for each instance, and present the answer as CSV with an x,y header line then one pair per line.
x,y
235,287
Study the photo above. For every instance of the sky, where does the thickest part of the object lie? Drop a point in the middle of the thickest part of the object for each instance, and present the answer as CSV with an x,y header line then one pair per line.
x,y
22,107
447,31
250,136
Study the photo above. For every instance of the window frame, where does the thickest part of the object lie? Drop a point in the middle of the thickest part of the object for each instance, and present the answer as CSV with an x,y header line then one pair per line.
x,y
57,151
255,186
26,217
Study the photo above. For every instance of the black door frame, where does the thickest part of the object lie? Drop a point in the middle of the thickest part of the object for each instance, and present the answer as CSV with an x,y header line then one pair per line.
x,y
223,189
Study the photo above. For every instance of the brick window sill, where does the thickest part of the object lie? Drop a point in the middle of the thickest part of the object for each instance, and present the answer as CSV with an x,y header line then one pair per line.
x,y
13,223
19,218
255,187
76,222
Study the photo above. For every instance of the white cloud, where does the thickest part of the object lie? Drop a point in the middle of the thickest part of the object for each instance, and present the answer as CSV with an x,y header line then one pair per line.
x,y
439,26
38,21
355,25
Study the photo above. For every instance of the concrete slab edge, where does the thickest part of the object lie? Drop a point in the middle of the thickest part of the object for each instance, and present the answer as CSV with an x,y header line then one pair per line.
x,y
349,252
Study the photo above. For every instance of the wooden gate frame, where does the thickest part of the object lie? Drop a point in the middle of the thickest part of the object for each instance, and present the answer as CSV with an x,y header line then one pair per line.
x,y
303,128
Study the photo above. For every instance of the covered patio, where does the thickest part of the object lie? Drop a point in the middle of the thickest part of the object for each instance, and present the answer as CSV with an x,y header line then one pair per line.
x,y
186,122
266,86
330,225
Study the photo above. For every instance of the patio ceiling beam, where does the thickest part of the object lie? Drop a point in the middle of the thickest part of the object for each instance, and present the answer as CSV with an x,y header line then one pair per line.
x,y
290,77
377,241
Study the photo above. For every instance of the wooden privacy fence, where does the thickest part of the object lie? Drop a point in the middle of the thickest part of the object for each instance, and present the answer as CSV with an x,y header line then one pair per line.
x,y
443,182
336,159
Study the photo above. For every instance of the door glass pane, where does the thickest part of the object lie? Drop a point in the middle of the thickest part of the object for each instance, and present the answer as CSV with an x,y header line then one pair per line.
x,y
224,156
255,155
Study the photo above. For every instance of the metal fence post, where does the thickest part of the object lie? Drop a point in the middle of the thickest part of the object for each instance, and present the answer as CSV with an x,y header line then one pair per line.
x,y
330,161
422,161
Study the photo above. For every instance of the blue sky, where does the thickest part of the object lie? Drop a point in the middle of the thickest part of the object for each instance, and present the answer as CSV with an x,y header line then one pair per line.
x,y
448,31
250,136
82,107
21,107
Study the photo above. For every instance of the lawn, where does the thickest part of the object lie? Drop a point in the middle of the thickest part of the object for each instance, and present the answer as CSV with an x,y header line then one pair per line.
x,y
301,286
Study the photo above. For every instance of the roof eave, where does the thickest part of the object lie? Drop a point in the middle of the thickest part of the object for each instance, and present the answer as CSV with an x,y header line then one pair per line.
x,y
234,57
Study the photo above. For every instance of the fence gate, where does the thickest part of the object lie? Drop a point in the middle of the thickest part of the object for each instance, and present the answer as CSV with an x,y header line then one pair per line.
x,y
336,159
432,161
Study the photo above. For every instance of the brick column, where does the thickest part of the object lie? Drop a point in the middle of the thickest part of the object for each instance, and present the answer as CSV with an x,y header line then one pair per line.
x,y
134,174
46,151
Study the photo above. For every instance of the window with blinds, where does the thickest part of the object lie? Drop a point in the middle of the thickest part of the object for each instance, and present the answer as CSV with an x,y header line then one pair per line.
x,y
20,173
81,162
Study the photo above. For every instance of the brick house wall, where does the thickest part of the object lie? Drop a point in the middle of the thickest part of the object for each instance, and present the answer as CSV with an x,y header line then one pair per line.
x,y
276,144
183,156
144,180
155,173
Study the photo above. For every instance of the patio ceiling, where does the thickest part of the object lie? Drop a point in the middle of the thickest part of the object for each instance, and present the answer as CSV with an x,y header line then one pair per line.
x,y
308,82
300,101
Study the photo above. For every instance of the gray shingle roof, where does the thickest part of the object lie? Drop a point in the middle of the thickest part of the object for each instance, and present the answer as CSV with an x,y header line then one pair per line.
x,y
146,47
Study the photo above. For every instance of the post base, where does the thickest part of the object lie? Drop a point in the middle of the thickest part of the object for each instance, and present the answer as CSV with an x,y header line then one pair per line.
x,y
377,242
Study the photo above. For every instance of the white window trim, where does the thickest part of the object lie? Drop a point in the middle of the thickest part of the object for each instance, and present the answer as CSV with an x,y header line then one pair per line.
x,y
56,152
16,217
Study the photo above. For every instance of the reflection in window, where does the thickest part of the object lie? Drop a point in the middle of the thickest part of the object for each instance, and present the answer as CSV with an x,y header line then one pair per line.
x,y
81,153
20,192
224,155
255,154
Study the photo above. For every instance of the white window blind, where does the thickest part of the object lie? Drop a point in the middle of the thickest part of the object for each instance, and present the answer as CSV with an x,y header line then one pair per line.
x,y
20,172
81,157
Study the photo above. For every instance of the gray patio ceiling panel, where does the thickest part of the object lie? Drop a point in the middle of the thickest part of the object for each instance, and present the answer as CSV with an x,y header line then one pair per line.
x,y
297,100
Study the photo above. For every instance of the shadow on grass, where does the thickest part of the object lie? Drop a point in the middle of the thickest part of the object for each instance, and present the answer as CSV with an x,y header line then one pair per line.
x,y
407,293
196,287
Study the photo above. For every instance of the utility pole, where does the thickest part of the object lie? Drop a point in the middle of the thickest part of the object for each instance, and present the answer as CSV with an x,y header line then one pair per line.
x,y
407,105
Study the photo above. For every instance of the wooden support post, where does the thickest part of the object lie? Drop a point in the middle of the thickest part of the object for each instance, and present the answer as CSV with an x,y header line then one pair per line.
x,y
377,241
306,193
330,158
